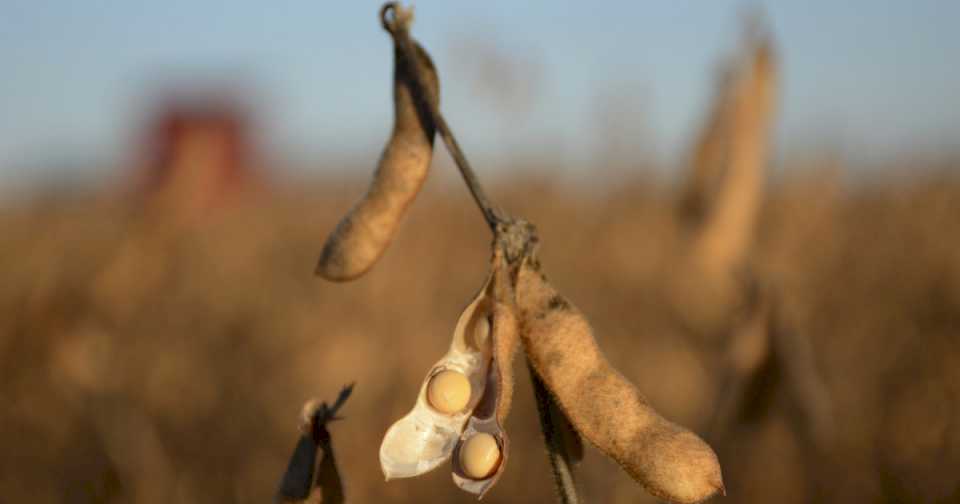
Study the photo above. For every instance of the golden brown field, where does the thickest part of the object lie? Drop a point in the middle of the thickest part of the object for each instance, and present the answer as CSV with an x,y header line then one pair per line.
x,y
143,360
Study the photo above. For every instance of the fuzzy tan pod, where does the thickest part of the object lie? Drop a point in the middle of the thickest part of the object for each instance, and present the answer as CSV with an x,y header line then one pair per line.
x,y
708,154
671,462
506,342
728,231
365,232
426,437
492,410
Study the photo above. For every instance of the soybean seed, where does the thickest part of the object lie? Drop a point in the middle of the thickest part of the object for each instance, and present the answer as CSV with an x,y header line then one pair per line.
x,y
480,456
448,391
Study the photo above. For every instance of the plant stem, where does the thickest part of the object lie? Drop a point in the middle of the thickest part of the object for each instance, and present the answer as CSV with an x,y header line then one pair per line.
x,y
297,484
552,438
396,21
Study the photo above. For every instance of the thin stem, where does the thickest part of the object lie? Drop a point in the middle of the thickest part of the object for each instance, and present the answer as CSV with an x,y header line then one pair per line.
x,y
398,26
328,476
552,438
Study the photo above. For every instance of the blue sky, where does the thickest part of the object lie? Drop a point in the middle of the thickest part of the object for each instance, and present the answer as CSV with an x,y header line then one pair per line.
x,y
872,78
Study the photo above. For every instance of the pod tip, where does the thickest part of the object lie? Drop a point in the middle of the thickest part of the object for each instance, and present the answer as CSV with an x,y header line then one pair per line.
x,y
326,272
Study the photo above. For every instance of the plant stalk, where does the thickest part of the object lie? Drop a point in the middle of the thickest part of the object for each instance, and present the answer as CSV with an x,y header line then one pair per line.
x,y
560,459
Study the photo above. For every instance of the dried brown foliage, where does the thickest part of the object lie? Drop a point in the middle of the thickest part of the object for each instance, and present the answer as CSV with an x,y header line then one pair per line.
x,y
186,393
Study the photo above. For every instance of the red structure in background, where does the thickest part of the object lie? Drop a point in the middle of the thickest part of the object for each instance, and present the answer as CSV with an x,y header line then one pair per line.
x,y
197,153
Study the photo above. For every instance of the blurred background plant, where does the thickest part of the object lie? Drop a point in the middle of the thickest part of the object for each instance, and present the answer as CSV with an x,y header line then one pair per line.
x,y
160,325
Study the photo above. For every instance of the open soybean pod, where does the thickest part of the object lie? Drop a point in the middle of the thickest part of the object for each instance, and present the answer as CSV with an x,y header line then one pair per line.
x,y
481,454
426,437
364,233
671,462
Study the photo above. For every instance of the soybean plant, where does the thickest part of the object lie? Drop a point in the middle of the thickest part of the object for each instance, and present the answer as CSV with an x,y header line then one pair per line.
x,y
461,406
721,296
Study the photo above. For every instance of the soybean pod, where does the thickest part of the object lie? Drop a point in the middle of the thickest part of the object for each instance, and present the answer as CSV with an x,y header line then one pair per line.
x,y
671,462
452,389
481,454
364,233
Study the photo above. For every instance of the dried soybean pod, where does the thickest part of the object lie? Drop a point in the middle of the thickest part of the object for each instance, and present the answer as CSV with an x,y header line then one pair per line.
x,y
506,342
709,288
365,232
728,230
671,462
488,417
709,153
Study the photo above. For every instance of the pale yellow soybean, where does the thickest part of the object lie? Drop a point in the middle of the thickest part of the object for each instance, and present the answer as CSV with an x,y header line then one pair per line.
x,y
448,391
480,455
481,332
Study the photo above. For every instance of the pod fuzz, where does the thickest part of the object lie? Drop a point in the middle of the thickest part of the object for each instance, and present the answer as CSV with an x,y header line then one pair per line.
x,y
365,232
671,462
